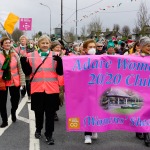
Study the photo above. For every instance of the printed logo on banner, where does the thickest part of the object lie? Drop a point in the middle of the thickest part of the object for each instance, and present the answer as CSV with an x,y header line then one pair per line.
x,y
74,123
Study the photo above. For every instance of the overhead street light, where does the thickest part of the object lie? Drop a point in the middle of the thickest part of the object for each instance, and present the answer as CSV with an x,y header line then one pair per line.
x,y
49,17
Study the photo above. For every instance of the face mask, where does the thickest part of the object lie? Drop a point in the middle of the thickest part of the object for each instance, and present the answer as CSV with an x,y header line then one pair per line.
x,y
31,45
92,51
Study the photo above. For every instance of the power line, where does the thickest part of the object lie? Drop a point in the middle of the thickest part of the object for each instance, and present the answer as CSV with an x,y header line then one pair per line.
x,y
81,9
90,5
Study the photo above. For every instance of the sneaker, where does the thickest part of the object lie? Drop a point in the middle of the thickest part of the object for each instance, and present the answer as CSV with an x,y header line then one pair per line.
x,y
94,135
49,140
37,135
88,139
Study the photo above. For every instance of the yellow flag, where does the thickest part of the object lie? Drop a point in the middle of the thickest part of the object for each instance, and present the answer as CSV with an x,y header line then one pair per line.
x,y
8,21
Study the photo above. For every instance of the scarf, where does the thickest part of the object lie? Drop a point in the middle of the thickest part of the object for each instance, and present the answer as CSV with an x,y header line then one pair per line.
x,y
6,66
41,53
22,47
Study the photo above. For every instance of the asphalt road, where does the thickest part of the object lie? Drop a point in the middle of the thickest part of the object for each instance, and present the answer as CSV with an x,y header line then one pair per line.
x,y
20,135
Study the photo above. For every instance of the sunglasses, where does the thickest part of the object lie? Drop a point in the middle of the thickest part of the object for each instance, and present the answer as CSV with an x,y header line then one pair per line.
x,y
99,46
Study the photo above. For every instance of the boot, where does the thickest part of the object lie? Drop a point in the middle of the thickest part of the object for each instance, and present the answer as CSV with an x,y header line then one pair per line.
x,y
13,116
56,117
139,135
4,124
147,139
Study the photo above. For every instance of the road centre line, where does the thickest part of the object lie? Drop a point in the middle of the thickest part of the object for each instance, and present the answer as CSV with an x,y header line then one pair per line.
x,y
34,144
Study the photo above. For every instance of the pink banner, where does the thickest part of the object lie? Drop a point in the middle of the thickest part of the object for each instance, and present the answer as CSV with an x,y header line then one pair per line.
x,y
25,24
107,93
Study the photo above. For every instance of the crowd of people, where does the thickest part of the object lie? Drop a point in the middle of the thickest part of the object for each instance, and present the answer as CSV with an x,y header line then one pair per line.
x,y
37,68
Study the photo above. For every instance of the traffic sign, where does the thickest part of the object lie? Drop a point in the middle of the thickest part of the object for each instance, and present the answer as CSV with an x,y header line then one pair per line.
x,y
25,24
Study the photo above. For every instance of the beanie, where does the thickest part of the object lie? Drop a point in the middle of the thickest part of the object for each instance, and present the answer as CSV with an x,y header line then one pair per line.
x,y
110,44
120,42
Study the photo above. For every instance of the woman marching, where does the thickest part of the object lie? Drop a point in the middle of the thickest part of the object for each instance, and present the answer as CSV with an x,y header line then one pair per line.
x,y
89,48
12,77
56,47
43,66
144,44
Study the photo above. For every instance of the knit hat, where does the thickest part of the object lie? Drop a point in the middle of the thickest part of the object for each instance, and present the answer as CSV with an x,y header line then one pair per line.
x,y
120,42
144,41
110,44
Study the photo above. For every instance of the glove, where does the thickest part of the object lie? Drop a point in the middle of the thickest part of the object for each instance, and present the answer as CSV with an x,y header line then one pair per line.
x,y
59,68
23,60
57,58
27,69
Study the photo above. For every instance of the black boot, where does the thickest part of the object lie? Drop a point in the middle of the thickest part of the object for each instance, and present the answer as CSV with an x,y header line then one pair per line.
x,y
37,134
56,117
4,124
147,139
13,116
140,136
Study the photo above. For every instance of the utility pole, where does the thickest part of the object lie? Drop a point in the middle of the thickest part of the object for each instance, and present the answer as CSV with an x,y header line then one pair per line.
x,y
61,20
76,20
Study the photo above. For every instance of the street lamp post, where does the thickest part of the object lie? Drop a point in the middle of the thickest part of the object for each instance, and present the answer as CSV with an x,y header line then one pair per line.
x,y
76,20
61,20
49,18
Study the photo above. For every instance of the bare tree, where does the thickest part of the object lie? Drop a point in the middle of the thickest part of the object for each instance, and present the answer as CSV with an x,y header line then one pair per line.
x,y
69,36
16,34
136,30
116,28
83,33
126,31
143,18
95,26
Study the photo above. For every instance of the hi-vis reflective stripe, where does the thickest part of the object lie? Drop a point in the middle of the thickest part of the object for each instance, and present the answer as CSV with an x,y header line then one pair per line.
x,y
46,69
13,68
33,64
44,79
16,74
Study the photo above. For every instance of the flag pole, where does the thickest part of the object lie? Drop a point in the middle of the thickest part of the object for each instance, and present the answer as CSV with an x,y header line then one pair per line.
x,y
5,31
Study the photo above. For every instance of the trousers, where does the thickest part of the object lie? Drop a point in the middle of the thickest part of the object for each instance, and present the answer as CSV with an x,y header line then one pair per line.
x,y
14,99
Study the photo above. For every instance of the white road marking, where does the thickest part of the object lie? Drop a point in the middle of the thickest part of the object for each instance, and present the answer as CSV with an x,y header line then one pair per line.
x,y
23,119
20,107
34,144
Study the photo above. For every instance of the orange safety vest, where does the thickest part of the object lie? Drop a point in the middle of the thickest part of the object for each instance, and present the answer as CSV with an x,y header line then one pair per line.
x,y
61,80
15,78
19,51
46,78
2,83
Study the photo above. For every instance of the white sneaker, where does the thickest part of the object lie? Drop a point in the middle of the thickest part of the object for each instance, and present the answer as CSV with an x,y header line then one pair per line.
x,y
88,139
94,135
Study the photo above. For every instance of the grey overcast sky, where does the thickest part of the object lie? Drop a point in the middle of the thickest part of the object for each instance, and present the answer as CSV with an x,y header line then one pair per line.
x,y
125,14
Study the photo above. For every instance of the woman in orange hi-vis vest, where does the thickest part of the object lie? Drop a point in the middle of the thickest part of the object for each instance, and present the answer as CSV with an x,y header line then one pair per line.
x,y
11,77
57,48
44,85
